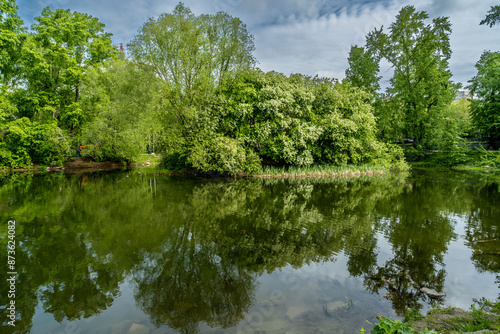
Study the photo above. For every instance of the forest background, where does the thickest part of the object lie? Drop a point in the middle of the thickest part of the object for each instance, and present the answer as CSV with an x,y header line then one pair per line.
x,y
189,85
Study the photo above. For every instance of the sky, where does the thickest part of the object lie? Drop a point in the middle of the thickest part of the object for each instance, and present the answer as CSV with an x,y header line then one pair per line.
x,y
311,37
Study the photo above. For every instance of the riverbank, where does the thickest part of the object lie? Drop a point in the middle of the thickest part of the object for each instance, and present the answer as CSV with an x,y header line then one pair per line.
x,y
483,317
87,165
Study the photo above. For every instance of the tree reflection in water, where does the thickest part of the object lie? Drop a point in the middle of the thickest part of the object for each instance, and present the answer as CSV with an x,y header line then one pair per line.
x,y
195,249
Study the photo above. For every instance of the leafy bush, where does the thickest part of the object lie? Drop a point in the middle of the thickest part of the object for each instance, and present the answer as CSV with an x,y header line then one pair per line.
x,y
223,155
301,121
388,326
6,158
25,141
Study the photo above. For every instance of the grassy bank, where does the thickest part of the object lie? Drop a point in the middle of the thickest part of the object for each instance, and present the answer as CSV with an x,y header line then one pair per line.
x,y
318,171
483,317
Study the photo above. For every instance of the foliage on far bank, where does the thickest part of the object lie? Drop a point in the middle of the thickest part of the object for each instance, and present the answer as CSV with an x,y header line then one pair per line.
x,y
191,89
455,156
283,121
41,76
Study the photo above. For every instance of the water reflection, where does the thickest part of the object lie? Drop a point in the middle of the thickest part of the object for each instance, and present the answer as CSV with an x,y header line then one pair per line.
x,y
195,249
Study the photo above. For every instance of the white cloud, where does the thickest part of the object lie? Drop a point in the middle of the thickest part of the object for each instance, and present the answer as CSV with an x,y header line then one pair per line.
x,y
301,36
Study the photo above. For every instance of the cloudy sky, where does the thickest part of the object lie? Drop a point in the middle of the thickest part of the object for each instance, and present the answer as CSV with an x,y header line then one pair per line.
x,y
301,36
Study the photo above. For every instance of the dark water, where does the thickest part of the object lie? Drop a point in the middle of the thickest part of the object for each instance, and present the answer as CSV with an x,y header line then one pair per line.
x,y
125,253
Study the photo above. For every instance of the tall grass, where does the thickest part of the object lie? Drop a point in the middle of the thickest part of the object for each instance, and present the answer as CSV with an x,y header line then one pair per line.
x,y
319,171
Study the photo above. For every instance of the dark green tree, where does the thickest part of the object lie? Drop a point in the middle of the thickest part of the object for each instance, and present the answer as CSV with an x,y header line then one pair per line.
x,y
421,87
363,69
493,16
485,88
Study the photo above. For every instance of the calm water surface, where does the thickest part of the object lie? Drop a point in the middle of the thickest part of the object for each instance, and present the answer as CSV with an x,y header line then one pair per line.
x,y
121,252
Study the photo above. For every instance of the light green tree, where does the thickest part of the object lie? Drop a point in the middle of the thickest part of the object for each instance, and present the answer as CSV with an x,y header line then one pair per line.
x,y
12,36
62,46
122,103
192,54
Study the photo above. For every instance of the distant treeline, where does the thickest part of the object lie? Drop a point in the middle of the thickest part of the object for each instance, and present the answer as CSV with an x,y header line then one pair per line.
x,y
189,86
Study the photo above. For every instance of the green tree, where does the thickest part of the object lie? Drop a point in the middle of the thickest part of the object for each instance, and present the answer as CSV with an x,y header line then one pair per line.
x,y
453,127
421,86
363,69
33,142
64,44
485,87
192,54
121,103
12,36
349,129
493,16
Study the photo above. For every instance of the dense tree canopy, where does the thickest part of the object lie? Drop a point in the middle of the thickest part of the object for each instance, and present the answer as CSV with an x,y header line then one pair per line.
x,y
42,74
120,101
191,84
12,36
485,86
421,85
63,45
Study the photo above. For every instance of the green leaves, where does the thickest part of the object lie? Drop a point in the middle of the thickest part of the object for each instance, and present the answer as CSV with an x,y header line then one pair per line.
x,y
12,36
223,155
421,86
485,109
298,121
64,44
388,326
31,141
493,16
117,110
193,53
363,70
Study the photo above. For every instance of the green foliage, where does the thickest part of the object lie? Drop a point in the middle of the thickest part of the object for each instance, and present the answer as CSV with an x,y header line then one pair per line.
x,y
55,56
223,155
492,17
486,158
363,70
412,314
349,127
485,87
479,321
192,54
271,113
298,120
12,36
453,126
119,101
25,142
421,86
388,326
